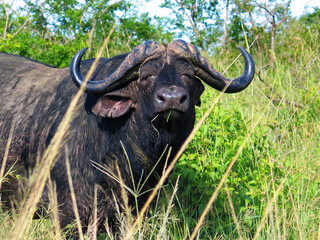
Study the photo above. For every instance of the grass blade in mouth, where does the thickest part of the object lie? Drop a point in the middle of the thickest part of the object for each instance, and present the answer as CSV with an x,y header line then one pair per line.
x,y
167,120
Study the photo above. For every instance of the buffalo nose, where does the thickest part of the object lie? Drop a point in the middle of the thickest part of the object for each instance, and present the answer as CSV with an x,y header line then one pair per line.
x,y
171,98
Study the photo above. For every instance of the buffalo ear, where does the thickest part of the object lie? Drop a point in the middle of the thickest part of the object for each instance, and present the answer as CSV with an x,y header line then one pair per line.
x,y
112,106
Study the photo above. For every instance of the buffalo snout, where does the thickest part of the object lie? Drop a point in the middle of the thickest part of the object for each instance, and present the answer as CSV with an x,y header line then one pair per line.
x,y
171,98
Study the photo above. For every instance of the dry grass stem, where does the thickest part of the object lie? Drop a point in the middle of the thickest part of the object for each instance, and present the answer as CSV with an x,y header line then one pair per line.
x,y
319,228
163,229
129,164
125,199
233,213
155,165
236,59
111,175
267,211
6,154
73,197
294,209
95,214
54,212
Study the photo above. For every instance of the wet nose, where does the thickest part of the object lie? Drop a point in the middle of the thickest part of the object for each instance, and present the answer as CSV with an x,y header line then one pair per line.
x,y
171,97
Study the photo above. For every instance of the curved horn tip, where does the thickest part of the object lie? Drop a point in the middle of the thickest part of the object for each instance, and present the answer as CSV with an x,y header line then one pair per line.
x,y
248,75
246,78
75,67
243,50
239,47
82,52
245,53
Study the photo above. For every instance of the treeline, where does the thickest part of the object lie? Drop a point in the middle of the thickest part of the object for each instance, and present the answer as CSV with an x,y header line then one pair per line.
x,y
53,30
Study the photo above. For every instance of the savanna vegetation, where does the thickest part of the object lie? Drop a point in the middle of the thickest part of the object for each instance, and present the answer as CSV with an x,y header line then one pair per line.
x,y
252,170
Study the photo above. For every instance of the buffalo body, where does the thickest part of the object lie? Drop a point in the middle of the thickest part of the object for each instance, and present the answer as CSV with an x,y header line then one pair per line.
x,y
132,120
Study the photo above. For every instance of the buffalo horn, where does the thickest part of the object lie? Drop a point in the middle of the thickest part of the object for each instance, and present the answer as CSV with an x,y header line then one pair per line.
x,y
126,72
208,74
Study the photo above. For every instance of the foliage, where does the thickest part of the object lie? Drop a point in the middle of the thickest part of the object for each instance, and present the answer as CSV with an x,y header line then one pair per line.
x,y
311,19
53,31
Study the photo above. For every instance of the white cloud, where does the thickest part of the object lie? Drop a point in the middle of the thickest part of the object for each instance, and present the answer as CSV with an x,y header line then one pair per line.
x,y
299,7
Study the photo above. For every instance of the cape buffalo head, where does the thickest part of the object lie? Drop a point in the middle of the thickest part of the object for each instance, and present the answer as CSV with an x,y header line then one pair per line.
x,y
170,73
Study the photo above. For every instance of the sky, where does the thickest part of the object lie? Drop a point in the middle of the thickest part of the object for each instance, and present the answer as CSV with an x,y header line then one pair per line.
x,y
298,7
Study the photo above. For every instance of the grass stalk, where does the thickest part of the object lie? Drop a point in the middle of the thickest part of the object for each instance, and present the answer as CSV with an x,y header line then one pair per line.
x,y
95,214
163,229
267,211
73,198
294,209
125,199
6,154
54,209
233,213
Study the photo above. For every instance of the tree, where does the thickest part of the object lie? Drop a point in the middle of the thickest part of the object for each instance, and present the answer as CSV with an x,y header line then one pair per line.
x,y
276,13
198,20
226,19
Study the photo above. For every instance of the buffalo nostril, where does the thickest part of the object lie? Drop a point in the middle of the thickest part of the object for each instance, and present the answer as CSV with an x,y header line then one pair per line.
x,y
161,98
183,99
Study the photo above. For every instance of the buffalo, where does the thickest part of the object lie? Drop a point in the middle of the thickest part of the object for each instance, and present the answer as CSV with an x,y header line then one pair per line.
x,y
137,109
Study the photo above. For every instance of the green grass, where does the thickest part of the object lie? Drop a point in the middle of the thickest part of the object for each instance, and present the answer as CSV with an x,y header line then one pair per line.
x,y
281,156
273,189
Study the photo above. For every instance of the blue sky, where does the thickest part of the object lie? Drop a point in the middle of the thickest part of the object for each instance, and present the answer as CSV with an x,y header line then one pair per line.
x,y
298,7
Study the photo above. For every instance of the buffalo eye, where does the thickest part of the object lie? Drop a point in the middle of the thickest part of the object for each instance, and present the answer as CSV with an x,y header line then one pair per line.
x,y
186,76
147,78
187,79
149,70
